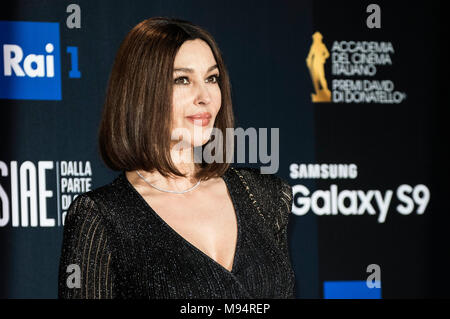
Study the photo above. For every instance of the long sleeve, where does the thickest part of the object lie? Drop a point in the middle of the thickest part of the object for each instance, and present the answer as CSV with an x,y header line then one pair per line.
x,y
273,198
281,228
282,217
85,269
260,193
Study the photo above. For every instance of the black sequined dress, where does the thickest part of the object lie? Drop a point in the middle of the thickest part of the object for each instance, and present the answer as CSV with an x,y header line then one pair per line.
x,y
125,250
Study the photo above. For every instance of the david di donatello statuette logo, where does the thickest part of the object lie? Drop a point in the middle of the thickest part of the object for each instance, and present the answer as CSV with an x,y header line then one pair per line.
x,y
315,61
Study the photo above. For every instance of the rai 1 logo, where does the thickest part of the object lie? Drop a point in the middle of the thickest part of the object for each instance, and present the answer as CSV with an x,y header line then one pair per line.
x,y
30,59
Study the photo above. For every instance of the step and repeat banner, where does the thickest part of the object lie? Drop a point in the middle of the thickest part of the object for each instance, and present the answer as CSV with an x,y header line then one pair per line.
x,y
353,87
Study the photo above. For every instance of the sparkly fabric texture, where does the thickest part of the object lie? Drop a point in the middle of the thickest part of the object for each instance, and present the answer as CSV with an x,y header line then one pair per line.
x,y
125,250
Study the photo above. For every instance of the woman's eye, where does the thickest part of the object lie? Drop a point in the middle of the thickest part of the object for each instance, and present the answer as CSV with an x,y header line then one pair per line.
x,y
214,78
182,80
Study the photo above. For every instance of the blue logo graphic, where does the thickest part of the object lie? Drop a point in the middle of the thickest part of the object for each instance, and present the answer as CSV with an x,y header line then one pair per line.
x,y
350,290
30,66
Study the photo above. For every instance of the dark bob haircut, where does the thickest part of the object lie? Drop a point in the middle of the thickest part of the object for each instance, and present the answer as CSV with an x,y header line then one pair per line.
x,y
134,131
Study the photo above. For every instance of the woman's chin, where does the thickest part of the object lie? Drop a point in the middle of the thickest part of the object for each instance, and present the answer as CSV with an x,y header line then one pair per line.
x,y
200,143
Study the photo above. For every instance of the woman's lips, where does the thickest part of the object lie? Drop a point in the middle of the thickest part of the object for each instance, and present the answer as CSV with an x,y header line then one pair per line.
x,y
201,119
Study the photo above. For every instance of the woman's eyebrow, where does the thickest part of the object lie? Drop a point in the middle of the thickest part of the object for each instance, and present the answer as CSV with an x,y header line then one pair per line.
x,y
189,70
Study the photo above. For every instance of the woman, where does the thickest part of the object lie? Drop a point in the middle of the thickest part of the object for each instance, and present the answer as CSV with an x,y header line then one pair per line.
x,y
170,226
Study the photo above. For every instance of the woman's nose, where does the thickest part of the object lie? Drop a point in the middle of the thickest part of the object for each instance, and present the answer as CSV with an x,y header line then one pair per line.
x,y
202,94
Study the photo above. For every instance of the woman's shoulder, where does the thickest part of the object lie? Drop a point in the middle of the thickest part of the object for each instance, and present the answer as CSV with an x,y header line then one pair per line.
x,y
99,199
271,194
257,179
269,189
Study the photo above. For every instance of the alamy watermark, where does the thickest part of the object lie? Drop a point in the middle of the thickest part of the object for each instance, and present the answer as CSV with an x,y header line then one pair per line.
x,y
374,279
260,149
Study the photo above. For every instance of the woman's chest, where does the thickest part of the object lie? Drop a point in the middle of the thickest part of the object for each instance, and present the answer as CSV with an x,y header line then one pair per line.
x,y
209,223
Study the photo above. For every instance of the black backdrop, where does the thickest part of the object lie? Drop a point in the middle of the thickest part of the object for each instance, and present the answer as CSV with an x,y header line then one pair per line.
x,y
265,44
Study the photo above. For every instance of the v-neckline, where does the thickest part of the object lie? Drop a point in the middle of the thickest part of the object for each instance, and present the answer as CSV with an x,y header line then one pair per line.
x,y
184,240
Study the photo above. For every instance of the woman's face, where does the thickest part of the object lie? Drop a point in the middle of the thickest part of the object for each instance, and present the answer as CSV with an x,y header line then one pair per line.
x,y
196,92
